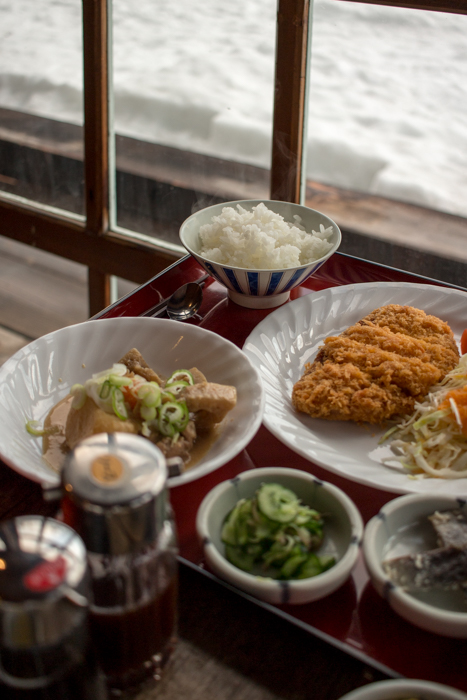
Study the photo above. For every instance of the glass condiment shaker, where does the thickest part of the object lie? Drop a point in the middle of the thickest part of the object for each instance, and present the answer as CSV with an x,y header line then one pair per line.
x,y
115,496
45,648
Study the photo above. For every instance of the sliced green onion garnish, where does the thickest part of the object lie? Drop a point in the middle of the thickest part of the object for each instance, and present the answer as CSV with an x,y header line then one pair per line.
x,y
117,369
171,412
166,428
180,375
175,413
32,426
78,392
149,394
173,418
117,381
105,390
177,387
118,404
148,413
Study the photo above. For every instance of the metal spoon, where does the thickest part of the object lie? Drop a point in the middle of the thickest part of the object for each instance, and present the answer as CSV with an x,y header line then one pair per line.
x,y
183,303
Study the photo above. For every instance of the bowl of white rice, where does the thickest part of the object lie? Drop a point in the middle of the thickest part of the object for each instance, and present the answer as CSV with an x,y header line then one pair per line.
x,y
260,249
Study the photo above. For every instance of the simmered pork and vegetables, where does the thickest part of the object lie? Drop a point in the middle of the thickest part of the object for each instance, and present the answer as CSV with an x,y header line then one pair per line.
x,y
178,413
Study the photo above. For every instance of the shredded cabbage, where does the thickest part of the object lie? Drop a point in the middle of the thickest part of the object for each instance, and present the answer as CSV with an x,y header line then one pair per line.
x,y
431,442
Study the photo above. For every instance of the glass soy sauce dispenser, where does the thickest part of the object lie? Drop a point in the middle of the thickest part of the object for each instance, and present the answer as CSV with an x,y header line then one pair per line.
x,y
45,647
115,496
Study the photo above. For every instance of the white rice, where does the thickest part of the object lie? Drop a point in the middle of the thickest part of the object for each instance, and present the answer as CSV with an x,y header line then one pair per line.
x,y
260,239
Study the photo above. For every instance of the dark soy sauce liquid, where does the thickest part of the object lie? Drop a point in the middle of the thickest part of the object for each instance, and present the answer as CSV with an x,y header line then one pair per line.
x,y
135,645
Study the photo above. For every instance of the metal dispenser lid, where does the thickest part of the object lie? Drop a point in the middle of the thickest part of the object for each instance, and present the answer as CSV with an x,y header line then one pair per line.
x,y
43,582
117,484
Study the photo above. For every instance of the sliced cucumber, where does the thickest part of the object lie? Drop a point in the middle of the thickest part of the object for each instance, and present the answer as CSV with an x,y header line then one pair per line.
x,y
307,515
239,558
291,565
279,551
311,567
243,528
233,530
256,550
327,562
315,565
277,533
278,503
228,535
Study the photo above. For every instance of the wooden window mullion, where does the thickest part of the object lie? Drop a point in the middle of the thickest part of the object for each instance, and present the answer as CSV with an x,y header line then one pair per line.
x,y
288,139
96,138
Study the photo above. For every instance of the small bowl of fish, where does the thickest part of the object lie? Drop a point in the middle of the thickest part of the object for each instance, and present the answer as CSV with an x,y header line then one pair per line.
x,y
258,249
415,550
280,534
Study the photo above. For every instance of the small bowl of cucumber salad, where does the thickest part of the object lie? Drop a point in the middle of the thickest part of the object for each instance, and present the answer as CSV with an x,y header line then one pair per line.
x,y
280,534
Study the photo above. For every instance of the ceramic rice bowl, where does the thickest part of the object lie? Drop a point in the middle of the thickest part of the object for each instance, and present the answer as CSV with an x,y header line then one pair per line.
x,y
259,289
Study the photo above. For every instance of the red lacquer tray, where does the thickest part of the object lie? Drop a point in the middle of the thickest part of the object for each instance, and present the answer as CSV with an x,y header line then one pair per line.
x,y
354,618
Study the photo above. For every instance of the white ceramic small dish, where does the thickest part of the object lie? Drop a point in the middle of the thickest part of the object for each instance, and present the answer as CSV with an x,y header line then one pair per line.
x,y
259,289
42,373
343,532
404,689
401,528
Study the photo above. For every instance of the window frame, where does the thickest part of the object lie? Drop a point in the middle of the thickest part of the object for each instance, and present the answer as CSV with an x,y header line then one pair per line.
x,y
92,240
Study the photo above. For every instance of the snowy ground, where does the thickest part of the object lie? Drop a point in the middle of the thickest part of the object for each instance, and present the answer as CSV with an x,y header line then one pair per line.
x,y
388,94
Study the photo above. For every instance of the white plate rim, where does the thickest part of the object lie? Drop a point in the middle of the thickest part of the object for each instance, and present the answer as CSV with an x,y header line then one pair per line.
x,y
282,340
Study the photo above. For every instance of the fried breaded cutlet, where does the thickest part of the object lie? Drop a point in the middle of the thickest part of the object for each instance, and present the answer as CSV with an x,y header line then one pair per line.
x,y
414,323
378,368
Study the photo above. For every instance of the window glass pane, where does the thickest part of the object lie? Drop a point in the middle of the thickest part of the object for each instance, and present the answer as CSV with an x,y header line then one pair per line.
x,y
193,92
388,120
41,114
39,293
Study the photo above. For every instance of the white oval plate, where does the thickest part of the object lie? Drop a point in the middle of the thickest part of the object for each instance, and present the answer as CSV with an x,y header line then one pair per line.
x,y
40,374
288,338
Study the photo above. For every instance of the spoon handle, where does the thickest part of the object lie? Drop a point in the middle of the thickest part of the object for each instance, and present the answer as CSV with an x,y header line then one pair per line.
x,y
153,310
161,306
